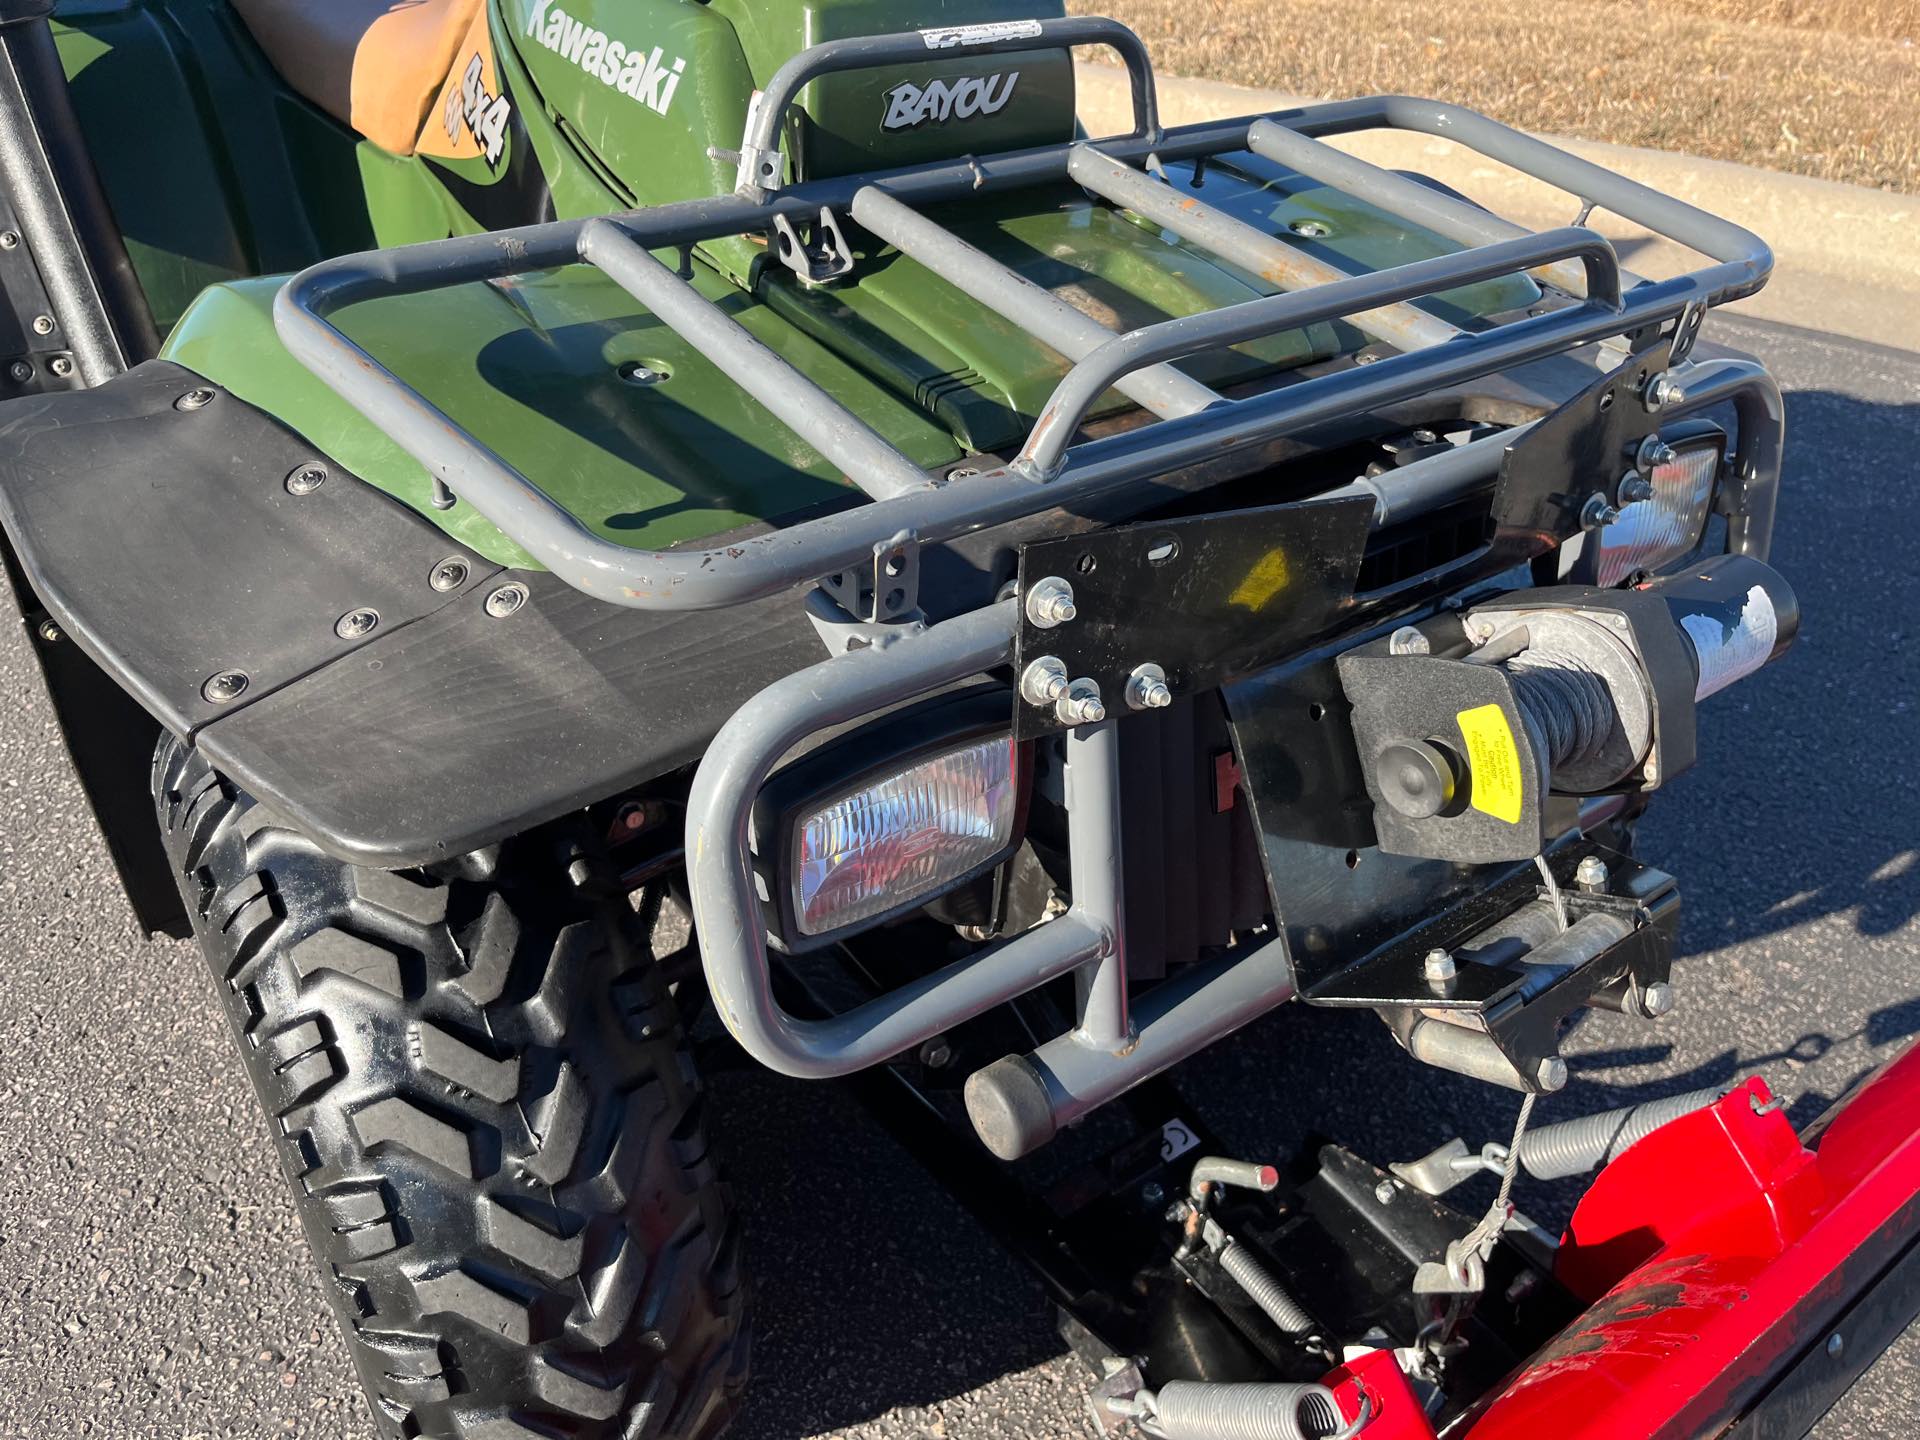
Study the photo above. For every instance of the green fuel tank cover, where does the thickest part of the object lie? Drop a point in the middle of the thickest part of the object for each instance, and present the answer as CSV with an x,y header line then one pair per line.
x,y
571,383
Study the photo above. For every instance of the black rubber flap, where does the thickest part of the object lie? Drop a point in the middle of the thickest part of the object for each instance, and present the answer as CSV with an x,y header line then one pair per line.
x,y
165,537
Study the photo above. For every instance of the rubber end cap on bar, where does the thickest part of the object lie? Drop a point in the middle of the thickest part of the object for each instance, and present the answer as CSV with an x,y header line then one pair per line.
x,y
1010,1108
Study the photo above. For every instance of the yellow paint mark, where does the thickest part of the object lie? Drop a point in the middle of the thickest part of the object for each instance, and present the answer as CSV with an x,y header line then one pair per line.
x,y
1499,785
1268,577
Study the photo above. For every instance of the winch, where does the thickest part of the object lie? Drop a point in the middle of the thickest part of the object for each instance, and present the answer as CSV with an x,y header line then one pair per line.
x,y
1468,722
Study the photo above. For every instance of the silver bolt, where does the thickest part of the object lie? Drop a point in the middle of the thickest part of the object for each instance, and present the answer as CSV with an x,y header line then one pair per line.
x,y
1597,512
355,623
227,686
1439,967
1044,681
1408,640
1050,603
1591,874
1656,1000
61,366
1081,705
936,1054
1147,688
636,373
1652,454
305,479
1383,1192
21,371
1366,357
507,599
1661,391
1552,1073
1650,773
1836,1342
9,239
1635,487
51,633
43,324
194,400
449,574
1311,229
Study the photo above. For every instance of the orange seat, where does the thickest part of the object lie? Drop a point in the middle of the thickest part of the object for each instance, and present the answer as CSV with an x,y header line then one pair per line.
x,y
382,67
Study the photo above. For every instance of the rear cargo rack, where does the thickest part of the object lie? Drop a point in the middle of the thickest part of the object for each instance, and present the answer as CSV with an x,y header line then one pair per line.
x,y
1118,1040
1050,470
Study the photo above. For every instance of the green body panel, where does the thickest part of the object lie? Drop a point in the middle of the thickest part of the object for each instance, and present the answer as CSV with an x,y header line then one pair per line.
x,y
985,377
841,127
218,171
533,369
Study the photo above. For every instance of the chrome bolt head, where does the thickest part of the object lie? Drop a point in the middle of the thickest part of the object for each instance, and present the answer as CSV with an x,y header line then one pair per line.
x,y
1439,966
1597,512
196,399
1551,1073
1081,705
21,372
305,479
1652,454
1661,391
504,601
1591,874
1656,1000
61,366
1383,1192
1635,487
449,574
1310,229
1147,688
43,324
1409,640
225,688
1050,603
51,633
9,239
356,623
1044,681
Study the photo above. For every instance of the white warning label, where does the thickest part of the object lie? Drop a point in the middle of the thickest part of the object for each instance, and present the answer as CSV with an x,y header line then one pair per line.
x,y
953,37
1728,651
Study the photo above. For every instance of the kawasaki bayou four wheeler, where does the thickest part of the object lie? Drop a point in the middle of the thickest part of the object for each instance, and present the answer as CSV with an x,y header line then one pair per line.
x,y
1039,602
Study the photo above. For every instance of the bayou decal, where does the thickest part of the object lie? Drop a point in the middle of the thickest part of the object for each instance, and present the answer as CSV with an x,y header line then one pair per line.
x,y
910,106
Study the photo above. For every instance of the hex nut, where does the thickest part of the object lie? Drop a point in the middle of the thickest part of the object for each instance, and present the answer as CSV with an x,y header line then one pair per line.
x,y
51,633
1597,512
1147,688
1050,603
1439,966
1591,874
507,599
1656,1000
1081,705
1552,1073
1044,681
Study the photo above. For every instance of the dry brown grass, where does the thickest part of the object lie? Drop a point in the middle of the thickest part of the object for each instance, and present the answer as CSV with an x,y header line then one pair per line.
x,y
1831,90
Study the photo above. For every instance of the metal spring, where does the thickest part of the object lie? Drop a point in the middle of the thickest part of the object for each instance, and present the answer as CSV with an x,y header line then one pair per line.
x,y
1567,707
1264,1290
1573,1147
1193,1410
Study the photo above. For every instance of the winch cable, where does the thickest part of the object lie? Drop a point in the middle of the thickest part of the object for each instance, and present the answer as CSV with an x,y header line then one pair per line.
x,y
1566,705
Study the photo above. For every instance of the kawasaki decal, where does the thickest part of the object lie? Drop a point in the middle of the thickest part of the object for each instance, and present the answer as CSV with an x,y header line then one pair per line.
x,y
646,77
910,105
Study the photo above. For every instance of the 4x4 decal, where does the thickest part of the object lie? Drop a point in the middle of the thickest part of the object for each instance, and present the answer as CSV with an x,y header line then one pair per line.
x,y
485,115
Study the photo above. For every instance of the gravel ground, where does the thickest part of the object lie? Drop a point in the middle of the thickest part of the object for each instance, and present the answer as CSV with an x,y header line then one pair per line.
x,y
157,1282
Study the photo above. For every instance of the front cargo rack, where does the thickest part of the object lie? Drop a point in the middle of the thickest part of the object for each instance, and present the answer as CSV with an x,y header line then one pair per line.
x,y
1118,1040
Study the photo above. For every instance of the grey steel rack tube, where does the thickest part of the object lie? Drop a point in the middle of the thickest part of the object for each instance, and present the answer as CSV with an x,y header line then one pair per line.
x,y
760,147
802,406
1075,334
1046,447
1400,195
1267,256
726,909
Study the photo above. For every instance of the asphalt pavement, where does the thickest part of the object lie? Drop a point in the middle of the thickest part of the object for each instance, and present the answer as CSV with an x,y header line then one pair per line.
x,y
153,1281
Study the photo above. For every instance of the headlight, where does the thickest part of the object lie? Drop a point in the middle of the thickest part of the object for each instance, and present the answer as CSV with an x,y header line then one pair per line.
x,y
940,811
1654,533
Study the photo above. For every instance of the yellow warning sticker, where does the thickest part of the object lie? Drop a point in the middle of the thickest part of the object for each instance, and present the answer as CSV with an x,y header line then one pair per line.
x,y
1499,787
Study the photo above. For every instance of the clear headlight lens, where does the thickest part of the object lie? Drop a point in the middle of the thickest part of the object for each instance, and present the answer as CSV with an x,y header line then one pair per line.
x,y
904,836
1650,533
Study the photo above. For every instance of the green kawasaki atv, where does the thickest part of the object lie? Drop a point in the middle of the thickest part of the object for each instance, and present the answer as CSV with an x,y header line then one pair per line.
x,y
480,470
